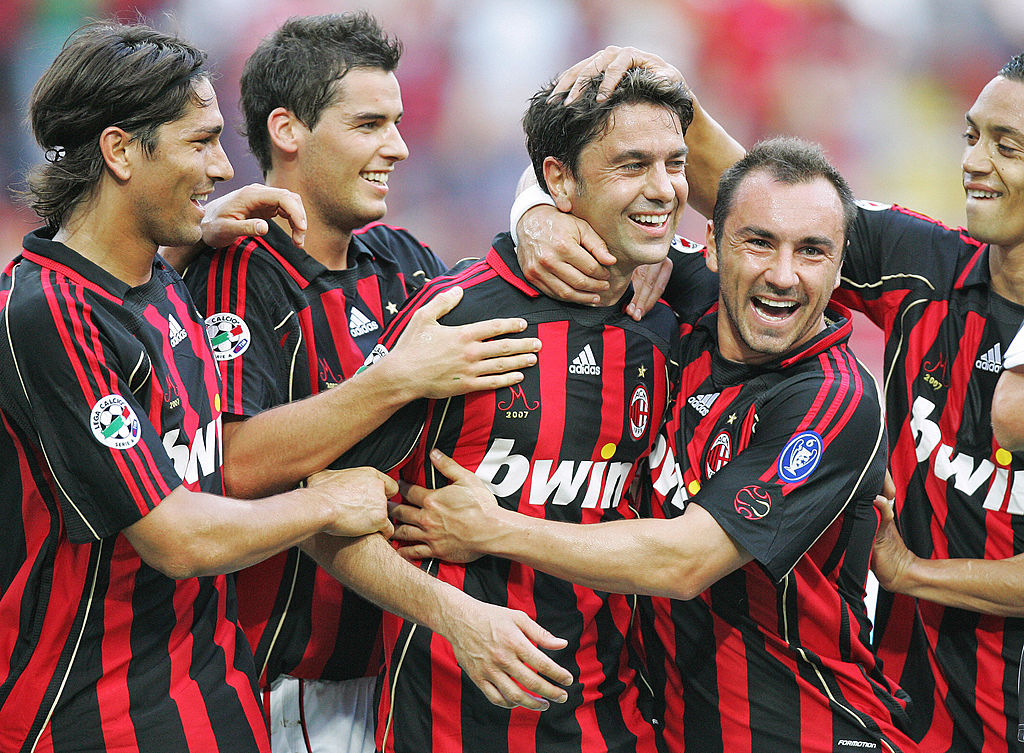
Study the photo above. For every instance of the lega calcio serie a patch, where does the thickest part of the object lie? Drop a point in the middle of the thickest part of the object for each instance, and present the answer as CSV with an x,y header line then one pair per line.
x,y
229,335
114,423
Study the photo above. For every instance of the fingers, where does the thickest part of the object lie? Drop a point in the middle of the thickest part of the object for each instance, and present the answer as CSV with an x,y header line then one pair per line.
x,y
451,470
593,243
889,486
649,283
491,328
290,207
390,485
441,304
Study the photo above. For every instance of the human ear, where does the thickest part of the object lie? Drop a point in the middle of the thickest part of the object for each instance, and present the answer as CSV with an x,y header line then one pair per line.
x,y
561,183
116,148
711,256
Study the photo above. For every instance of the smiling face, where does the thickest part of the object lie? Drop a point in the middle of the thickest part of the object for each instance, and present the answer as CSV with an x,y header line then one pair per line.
x,y
346,159
168,186
993,164
778,263
630,183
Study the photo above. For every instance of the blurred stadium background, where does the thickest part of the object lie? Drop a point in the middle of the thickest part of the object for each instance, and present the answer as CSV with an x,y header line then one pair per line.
x,y
882,85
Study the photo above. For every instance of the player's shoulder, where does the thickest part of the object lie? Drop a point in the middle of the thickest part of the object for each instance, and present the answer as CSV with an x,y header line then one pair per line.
x,y
392,244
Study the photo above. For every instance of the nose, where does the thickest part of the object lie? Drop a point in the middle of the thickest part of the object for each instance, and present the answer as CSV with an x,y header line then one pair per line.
x,y
660,185
220,166
976,158
395,148
781,272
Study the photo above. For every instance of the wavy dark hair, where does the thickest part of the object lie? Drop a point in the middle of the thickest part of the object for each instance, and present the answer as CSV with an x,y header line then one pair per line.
x,y
107,74
301,68
561,131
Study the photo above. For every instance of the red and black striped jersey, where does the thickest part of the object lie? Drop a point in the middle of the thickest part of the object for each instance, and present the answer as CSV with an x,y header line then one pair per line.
x,y
285,327
564,444
960,495
787,457
109,398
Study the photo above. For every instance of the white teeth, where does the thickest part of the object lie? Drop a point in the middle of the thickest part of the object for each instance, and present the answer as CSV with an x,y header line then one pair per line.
x,y
376,177
976,194
784,308
650,219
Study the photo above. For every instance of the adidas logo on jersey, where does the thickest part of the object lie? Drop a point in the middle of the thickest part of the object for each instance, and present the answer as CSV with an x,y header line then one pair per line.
x,y
585,363
991,361
175,331
702,403
359,324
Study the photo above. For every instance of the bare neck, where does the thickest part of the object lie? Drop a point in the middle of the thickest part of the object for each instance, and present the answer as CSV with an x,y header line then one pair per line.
x,y
1006,267
98,230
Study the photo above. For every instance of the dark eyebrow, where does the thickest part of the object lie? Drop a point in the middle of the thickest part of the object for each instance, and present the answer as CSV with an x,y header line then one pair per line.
x,y
207,130
368,116
1002,130
638,155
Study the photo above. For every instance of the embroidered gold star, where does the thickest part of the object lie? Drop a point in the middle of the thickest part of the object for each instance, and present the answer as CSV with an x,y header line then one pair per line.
x,y
392,308
732,417
642,371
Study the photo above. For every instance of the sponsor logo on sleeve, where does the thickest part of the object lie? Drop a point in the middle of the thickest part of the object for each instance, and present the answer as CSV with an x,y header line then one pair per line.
x,y
753,502
229,335
639,411
800,457
114,423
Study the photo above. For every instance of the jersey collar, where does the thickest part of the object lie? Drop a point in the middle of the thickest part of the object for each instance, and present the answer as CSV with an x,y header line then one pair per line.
x,y
40,248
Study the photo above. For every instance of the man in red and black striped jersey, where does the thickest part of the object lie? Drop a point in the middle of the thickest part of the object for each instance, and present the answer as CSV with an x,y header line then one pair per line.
x,y
118,629
774,451
564,444
949,302
322,106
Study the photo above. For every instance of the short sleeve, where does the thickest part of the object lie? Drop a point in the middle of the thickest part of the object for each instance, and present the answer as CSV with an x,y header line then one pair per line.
x,y
246,322
70,389
814,450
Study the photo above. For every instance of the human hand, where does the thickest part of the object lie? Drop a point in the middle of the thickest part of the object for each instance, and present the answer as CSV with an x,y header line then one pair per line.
x,y
247,210
562,256
499,649
890,557
357,500
449,523
440,361
649,282
613,62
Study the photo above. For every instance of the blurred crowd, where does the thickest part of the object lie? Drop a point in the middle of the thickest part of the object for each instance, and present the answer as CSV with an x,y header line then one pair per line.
x,y
882,85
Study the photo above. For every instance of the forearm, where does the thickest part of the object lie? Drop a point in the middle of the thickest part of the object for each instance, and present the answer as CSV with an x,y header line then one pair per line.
x,y
1008,409
372,568
988,586
643,556
711,152
275,450
192,534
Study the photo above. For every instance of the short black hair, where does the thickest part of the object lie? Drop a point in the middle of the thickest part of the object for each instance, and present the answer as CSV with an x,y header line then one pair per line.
x,y
300,66
1014,69
787,160
554,129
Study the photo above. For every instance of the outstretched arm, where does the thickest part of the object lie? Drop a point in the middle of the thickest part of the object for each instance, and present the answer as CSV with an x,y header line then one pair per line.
x,y
498,648
430,360
979,585
677,558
